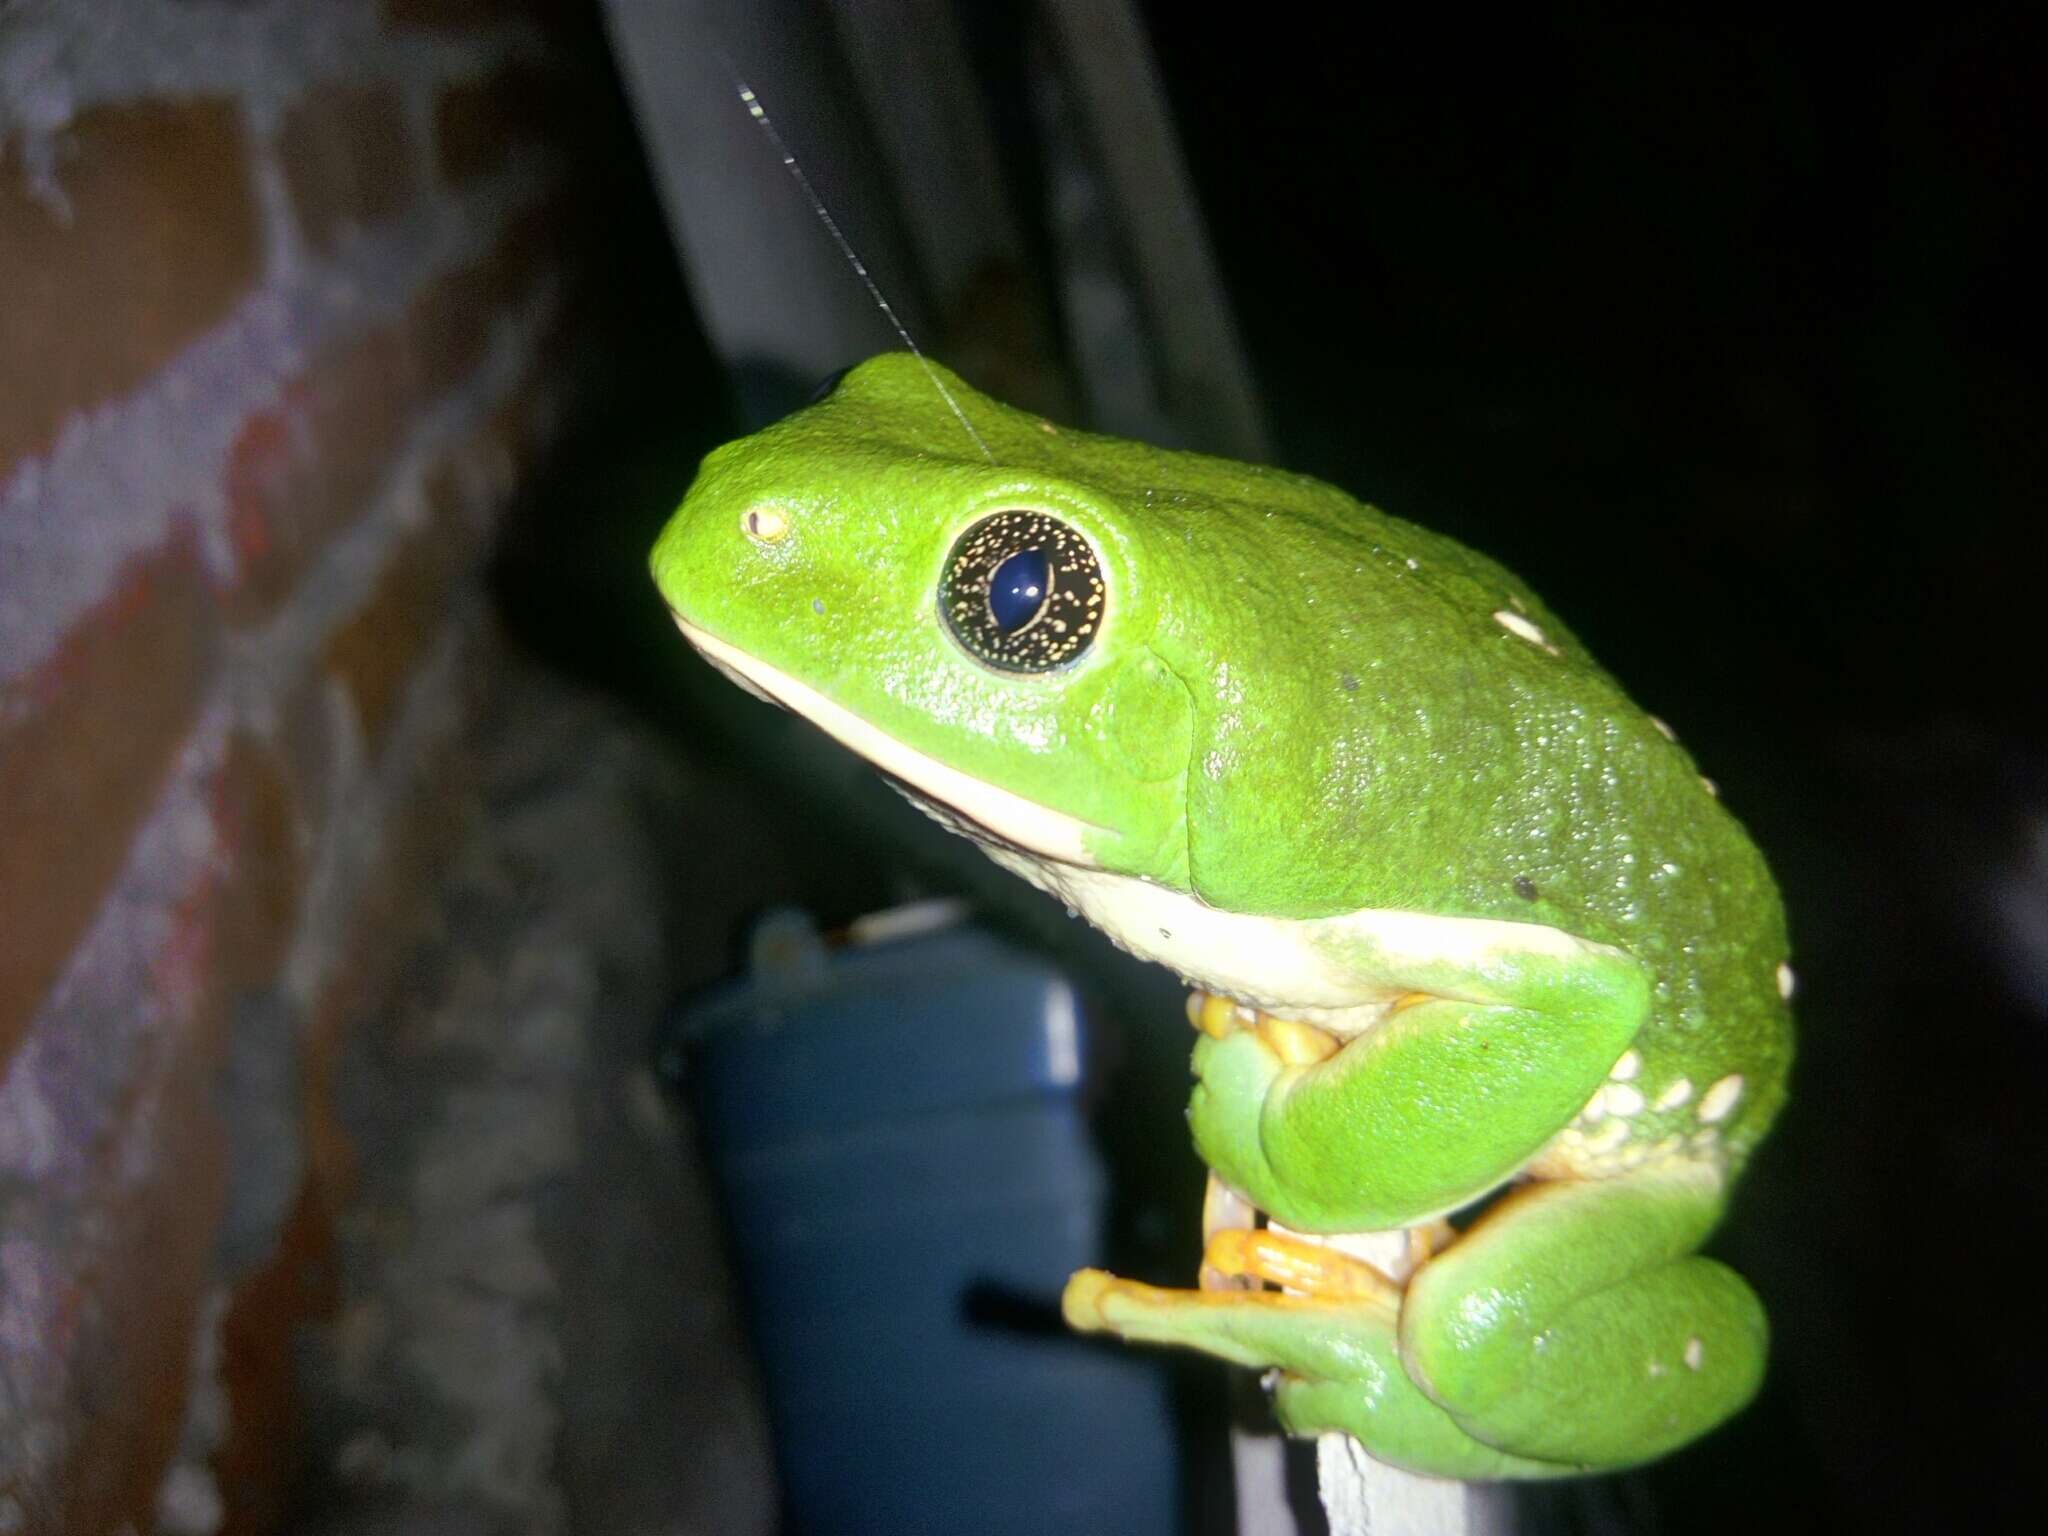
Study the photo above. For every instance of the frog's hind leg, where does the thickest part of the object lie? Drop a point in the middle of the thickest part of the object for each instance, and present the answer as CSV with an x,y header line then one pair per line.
x,y
1573,1328
1337,1345
1575,1323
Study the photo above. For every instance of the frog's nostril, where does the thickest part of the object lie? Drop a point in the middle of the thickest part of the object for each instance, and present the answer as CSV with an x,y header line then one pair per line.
x,y
764,525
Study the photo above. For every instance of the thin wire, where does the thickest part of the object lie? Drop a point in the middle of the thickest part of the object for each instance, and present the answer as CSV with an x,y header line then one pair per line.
x,y
760,116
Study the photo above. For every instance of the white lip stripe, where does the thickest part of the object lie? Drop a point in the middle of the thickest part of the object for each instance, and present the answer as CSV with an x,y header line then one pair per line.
x,y
1287,966
1050,834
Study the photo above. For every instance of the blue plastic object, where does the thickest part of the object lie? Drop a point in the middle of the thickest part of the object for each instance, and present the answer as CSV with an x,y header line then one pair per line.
x,y
898,1137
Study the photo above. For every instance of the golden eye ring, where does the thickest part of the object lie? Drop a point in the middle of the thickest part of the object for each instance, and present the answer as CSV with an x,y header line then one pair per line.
x,y
1023,592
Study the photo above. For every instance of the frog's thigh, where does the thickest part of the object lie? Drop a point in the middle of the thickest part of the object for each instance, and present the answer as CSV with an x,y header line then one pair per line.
x,y
1575,1324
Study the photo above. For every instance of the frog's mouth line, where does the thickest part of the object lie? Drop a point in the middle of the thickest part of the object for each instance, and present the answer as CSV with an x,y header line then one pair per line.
x,y
1021,823
1292,968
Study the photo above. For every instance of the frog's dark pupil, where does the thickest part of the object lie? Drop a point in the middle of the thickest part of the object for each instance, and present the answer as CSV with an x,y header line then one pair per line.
x,y
1016,591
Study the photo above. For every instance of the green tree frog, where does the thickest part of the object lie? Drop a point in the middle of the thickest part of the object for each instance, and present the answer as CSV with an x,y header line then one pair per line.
x,y
1463,923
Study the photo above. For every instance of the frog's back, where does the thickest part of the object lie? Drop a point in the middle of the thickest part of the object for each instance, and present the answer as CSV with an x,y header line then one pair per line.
x,y
1386,719
1469,757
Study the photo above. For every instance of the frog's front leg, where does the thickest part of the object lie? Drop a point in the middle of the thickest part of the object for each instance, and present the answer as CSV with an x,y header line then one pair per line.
x,y
1571,1329
1480,1062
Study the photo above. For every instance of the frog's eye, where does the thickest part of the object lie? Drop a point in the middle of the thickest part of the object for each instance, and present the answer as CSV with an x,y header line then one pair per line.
x,y
1022,592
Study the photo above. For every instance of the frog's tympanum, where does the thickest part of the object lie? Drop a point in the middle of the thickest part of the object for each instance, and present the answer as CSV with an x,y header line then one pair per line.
x,y
1465,925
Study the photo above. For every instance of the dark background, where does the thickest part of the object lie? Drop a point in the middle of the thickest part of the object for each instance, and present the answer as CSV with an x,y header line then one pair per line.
x,y
1724,334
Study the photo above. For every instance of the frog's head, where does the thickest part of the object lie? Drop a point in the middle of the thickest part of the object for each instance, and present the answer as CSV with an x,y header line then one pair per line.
x,y
975,624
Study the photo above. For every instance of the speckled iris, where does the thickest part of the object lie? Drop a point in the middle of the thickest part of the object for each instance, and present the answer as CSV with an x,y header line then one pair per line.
x,y
1022,592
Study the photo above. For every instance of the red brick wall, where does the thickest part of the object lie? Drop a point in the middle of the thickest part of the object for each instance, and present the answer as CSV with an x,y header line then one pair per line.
x,y
277,340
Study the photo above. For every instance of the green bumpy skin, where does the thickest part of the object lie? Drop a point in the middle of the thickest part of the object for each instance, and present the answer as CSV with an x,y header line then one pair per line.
x,y
1346,772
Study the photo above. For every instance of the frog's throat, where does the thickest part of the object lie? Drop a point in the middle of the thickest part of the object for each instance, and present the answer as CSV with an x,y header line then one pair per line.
x,y
1009,818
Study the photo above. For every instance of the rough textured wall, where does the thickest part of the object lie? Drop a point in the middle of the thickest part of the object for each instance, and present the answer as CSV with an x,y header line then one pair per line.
x,y
285,299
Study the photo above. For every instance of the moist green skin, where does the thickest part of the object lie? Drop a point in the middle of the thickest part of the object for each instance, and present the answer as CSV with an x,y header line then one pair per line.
x,y
1298,707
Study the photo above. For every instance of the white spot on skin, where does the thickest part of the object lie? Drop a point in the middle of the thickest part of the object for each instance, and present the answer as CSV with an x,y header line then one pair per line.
x,y
1658,1368
1663,729
1516,624
1677,1093
1622,1099
1710,786
1628,1066
1608,1137
1787,982
1695,1354
1721,1098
